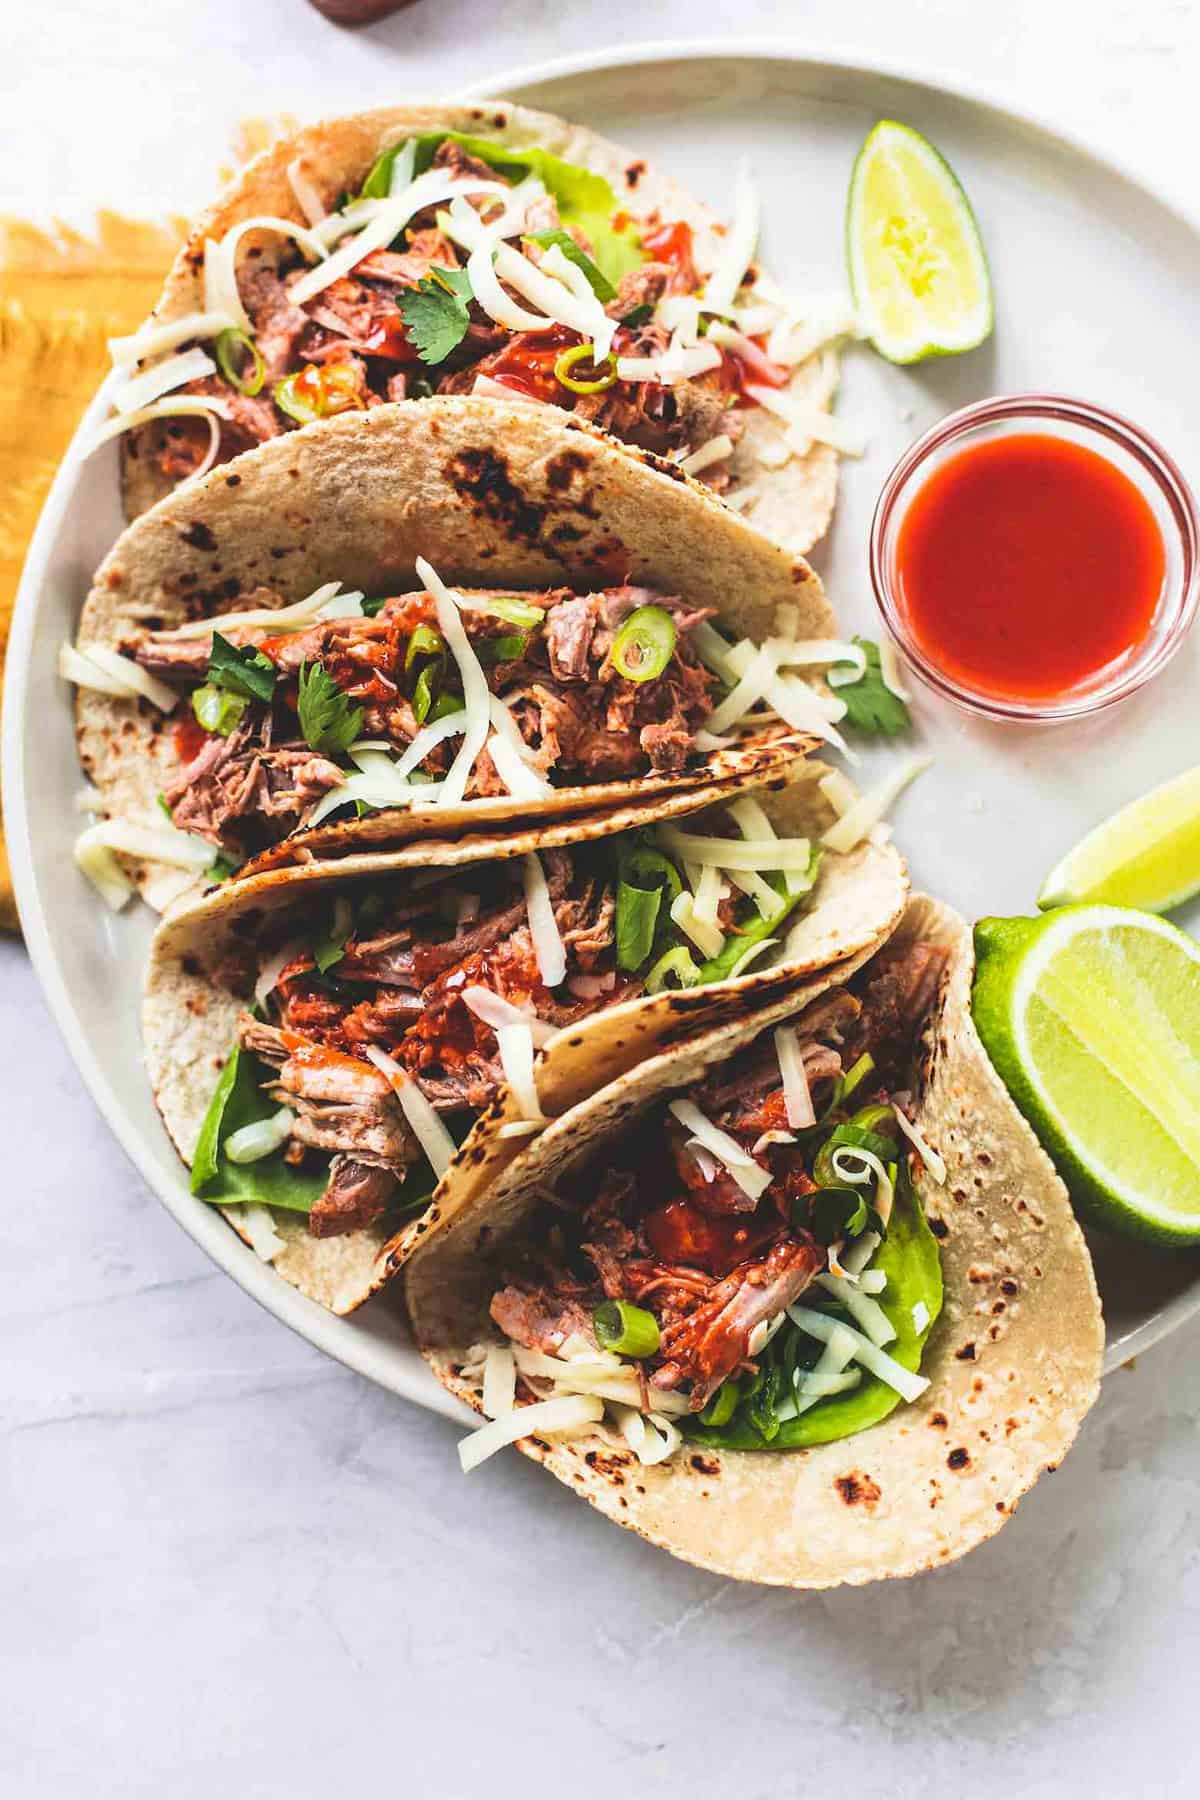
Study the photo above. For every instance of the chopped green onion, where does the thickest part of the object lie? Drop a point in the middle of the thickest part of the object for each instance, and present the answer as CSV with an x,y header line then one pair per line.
x,y
578,353
425,641
723,1404
677,962
231,345
626,1329
852,1080
872,1118
425,692
645,644
217,711
508,648
514,611
850,1137
445,703
294,404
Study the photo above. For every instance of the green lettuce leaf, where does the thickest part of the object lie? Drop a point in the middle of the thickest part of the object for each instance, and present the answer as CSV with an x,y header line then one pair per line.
x,y
909,1258
238,1100
583,198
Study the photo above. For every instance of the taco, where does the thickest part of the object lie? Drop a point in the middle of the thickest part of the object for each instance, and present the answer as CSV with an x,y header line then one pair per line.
x,y
803,1302
274,656
320,1041
491,250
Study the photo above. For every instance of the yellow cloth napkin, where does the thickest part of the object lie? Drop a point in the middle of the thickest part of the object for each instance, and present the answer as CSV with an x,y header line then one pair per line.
x,y
62,296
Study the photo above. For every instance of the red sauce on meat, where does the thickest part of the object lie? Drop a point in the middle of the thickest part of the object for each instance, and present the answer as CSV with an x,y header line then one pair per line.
x,y
680,1233
673,244
526,365
189,736
389,340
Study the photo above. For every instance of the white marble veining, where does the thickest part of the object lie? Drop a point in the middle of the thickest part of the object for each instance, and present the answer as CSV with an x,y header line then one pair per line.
x,y
226,1565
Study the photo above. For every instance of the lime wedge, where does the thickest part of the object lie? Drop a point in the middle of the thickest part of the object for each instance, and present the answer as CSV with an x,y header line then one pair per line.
x,y
1092,1018
918,271
1146,855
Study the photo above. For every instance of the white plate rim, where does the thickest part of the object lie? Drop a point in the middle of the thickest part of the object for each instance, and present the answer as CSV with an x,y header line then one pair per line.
x,y
367,1355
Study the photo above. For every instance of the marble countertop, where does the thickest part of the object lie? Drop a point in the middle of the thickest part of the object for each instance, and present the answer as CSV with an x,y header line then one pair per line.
x,y
229,1566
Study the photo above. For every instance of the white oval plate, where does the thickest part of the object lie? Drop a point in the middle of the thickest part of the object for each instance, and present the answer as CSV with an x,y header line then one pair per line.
x,y
1094,276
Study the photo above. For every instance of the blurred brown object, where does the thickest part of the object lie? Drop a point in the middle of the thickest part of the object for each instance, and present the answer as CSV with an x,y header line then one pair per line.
x,y
358,12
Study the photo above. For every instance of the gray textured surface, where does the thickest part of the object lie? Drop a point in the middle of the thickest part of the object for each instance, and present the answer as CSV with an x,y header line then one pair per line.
x,y
226,1566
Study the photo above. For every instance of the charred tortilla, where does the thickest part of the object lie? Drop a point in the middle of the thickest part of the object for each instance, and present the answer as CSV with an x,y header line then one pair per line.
x,y
205,961
791,503
518,499
1013,1359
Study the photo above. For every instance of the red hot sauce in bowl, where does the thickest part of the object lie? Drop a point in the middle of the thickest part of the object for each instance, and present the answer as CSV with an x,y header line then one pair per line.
x,y
1027,564
1037,558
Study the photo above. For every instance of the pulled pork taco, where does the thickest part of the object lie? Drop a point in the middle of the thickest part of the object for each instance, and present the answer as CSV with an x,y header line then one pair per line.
x,y
803,1302
491,250
321,1044
430,618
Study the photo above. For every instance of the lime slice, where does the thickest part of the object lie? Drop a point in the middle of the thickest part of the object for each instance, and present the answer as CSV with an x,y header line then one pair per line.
x,y
1147,855
918,271
1092,1017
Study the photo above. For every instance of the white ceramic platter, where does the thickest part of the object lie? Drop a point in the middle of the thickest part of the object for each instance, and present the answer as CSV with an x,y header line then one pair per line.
x,y
1096,280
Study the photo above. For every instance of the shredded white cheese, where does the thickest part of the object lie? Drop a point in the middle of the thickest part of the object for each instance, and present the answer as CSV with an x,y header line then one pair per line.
x,y
565,1412
220,264
867,1314
206,406
737,252
138,391
260,1138
749,1175
516,1059
156,340
797,1098
259,1227
129,677
474,684
806,424
854,825
928,1155
307,198
99,864
429,1131
715,451
749,854
499,1382
155,843
495,1011
548,946
877,1362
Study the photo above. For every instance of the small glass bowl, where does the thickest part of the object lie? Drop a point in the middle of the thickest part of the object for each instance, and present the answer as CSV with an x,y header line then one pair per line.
x,y
1155,474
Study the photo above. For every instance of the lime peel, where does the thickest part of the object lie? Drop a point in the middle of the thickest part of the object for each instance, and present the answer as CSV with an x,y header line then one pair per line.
x,y
1092,1018
1147,855
918,270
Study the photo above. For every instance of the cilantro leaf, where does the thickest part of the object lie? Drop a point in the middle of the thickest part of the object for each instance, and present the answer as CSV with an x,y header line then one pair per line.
x,y
435,313
599,283
870,703
245,671
327,719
